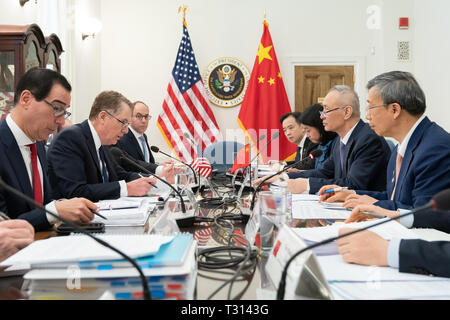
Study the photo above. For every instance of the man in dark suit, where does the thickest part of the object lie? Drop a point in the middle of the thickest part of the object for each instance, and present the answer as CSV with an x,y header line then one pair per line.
x,y
79,165
420,165
357,159
295,133
135,144
408,255
41,99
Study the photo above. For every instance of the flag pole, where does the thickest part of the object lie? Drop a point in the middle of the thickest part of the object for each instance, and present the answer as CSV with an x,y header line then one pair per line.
x,y
183,8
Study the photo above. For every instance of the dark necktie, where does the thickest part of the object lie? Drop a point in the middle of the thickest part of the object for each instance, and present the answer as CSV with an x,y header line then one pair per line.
x,y
38,197
299,154
104,169
342,155
144,148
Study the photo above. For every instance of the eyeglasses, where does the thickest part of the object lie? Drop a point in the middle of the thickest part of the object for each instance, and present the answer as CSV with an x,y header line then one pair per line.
x,y
370,108
325,113
124,123
141,116
58,111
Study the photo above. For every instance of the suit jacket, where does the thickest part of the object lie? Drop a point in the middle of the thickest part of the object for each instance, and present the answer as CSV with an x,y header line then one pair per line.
x,y
131,146
366,156
74,167
424,172
308,146
427,257
14,173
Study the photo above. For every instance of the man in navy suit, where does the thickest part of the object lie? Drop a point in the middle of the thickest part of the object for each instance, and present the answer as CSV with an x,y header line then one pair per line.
x,y
356,159
41,99
420,165
80,165
135,144
408,255
295,133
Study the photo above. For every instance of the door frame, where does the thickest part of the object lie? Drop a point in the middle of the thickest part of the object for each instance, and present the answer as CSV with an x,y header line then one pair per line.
x,y
359,67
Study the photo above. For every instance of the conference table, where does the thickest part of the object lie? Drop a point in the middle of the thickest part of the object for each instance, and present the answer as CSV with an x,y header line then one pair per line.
x,y
253,283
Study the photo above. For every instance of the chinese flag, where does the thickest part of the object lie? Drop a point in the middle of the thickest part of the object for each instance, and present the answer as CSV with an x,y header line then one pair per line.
x,y
264,103
242,159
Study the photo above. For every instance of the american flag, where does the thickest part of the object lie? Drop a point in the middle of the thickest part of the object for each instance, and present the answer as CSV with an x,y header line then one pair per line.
x,y
203,166
186,107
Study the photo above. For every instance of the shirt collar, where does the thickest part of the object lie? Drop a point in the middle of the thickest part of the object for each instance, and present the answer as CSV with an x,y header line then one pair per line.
x,y
97,141
349,133
401,150
302,143
20,136
136,134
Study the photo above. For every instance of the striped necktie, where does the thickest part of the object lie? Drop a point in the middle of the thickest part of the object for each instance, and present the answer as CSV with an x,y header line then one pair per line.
x,y
103,164
398,165
144,148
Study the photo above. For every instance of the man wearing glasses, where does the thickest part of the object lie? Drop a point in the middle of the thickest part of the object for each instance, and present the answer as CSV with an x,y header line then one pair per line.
x,y
41,101
420,165
80,165
358,159
135,144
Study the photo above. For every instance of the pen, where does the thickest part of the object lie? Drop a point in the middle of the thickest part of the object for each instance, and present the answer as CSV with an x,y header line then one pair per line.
x,y
101,216
3,216
335,190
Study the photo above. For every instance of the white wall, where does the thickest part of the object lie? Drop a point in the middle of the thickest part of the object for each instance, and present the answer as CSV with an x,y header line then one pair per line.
x,y
431,56
135,51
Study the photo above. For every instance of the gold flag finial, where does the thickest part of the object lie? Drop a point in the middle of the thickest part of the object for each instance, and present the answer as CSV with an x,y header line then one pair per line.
x,y
183,8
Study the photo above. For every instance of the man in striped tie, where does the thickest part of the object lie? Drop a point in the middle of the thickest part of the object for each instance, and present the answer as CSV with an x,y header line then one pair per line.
x,y
41,101
419,166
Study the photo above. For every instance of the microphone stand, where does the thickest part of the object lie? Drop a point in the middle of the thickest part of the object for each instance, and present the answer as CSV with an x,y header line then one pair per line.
x,y
145,287
131,162
193,171
282,284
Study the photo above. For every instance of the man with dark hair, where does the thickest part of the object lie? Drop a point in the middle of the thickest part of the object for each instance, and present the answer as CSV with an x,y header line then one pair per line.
x,y
79,165
295,133
41,100
419,167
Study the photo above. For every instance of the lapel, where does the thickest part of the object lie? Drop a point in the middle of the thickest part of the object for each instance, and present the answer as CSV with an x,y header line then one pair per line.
x,y
136,144
413,143
351,143
91,147
15,158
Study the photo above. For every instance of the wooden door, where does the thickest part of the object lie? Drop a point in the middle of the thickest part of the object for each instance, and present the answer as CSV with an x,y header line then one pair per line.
x,y
313,82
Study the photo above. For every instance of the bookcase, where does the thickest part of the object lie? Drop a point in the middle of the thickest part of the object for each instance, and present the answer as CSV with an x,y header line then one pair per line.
x,y
23,47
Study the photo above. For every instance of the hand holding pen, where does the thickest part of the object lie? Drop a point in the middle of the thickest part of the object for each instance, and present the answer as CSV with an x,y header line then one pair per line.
x,y
334,193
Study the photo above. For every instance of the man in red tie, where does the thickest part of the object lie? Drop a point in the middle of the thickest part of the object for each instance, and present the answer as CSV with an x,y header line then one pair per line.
x,y
419,166
41,101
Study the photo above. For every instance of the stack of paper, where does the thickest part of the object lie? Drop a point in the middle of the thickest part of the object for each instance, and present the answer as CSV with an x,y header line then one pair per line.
x,y
350,281
307,206
77,267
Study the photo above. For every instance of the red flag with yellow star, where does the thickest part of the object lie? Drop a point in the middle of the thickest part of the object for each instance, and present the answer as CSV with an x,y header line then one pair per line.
x,y
264,103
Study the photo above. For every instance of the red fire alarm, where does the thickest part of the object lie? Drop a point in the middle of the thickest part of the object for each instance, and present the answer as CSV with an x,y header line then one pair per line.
x,y
403,23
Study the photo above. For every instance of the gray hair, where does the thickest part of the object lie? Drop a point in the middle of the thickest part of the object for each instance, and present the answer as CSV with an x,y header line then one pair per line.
x,y
349,97
402,88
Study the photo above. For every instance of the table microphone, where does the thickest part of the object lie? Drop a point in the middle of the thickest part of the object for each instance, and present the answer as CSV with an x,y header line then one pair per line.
x,y
440,202
119,153
274,136
145,288
313,155
156,149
